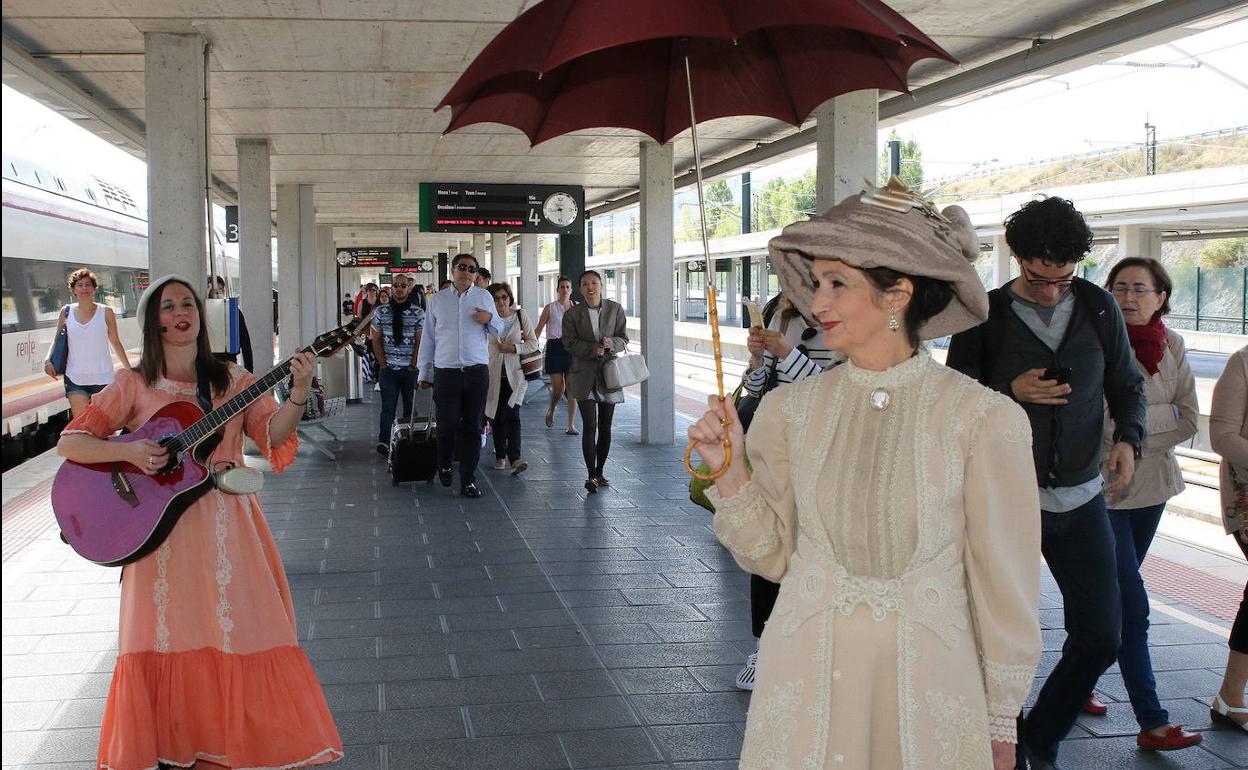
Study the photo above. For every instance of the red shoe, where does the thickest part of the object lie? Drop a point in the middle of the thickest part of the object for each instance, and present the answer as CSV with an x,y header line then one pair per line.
x,y
1093,705
1175,738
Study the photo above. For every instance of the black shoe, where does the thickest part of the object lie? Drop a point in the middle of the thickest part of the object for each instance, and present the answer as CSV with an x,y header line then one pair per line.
x,y
470,490
444,475
383,449
591,486
1036,762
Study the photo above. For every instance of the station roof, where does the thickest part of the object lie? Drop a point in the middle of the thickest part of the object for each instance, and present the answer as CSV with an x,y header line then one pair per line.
x,y
345,89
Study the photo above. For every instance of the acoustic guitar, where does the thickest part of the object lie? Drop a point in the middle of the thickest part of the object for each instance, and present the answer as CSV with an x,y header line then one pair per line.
x,y
113,513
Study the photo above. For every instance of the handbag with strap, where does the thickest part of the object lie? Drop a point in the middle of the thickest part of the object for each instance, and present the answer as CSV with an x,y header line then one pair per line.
x,y
59,357
623,371
531,363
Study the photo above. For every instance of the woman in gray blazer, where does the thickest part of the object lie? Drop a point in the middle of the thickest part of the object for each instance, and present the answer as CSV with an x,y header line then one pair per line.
x,y
594,332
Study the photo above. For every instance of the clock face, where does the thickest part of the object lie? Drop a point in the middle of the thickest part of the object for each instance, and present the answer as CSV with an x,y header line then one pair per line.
x,y
560,208
345,259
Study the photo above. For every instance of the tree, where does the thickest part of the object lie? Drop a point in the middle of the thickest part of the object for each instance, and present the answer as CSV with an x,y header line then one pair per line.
x,y
783,201
1225,252
911,163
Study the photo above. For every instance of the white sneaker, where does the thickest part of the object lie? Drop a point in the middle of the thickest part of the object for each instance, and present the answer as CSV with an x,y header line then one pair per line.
x,y
377,388
745,679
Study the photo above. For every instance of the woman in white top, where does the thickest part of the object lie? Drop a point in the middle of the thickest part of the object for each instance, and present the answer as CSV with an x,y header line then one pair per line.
x,y
507,383
91,333
558,360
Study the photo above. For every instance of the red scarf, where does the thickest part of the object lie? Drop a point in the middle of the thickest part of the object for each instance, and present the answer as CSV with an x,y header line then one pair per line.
x,y
1149,342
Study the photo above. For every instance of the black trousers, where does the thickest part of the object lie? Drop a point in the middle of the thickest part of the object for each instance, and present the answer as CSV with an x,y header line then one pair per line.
x,y
459,398
506,424
1239,631
763,595
595,434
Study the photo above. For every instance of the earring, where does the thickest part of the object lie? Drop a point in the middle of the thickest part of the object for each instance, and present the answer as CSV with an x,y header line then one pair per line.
x,y
892,321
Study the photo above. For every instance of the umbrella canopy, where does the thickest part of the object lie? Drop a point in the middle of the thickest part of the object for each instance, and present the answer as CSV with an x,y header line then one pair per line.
x,y
567,65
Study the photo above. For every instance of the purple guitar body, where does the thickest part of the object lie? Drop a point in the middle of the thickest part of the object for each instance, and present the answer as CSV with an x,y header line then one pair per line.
x,y
113,513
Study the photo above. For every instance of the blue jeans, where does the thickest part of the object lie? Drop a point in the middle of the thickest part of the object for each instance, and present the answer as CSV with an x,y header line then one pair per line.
x,y
394,382
1079,548
1133,531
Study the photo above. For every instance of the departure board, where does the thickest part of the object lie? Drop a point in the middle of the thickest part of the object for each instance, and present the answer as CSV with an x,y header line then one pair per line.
x,y
465,207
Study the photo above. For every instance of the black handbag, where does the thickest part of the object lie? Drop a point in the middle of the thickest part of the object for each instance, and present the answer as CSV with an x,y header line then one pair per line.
x,y
59,357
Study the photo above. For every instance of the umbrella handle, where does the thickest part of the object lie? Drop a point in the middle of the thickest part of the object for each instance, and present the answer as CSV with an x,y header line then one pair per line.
x,y
710,475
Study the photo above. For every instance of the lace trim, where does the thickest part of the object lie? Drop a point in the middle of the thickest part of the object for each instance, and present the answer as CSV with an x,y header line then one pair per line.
x,y
774,719
224,574
901,374
71,431
160,596
218,759
747,507
963,742
176,387
1004,729
1007,674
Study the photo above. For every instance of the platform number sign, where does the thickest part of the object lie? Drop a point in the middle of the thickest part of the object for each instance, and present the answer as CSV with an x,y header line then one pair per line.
x,y
231,224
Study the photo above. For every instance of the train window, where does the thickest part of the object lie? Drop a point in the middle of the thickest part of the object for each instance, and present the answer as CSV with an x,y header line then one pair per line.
x,y
34,291
60,184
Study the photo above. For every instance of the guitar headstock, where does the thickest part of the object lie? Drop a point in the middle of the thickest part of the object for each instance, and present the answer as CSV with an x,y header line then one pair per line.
x,y
332,341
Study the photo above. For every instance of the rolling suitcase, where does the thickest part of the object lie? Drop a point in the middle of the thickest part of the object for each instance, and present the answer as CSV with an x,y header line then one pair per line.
x,y
414,444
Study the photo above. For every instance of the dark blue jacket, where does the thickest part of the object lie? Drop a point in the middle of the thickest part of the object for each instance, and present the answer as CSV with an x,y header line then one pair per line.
x,y
1066,440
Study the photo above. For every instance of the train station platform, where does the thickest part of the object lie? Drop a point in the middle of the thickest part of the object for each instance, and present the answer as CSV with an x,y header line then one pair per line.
x,y
536,627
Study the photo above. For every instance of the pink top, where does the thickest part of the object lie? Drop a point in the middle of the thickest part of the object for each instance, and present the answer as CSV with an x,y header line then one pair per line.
x,y
554,321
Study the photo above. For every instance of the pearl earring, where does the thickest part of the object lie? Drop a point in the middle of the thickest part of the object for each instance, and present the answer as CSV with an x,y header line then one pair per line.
x,y
892,321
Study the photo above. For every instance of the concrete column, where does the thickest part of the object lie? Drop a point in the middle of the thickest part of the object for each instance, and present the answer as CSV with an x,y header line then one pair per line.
x,y
530,298
176,153
328,297
295,238
845,137
255,230
682,290
308,290
658,394
731,305
1002,258
478,249
1137,241
498,258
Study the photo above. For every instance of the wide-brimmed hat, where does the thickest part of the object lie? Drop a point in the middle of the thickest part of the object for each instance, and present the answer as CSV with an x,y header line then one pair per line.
x,y
887,227
152,290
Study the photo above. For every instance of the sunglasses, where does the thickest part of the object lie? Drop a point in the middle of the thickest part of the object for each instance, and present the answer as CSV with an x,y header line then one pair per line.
x,y
467,267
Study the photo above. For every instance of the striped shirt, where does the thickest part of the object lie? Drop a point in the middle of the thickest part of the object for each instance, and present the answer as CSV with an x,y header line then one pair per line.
x,y
806,358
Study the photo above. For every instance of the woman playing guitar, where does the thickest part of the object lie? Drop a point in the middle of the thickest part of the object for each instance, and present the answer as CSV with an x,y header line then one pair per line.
x,y
209,669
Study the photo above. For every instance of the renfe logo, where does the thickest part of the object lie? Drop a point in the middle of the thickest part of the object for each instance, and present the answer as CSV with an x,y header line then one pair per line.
x,y
30,353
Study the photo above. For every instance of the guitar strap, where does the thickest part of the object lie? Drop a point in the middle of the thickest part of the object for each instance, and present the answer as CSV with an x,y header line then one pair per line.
x,y
203,394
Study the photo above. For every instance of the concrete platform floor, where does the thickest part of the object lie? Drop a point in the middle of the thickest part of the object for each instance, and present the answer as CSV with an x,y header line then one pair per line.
x,y
536,627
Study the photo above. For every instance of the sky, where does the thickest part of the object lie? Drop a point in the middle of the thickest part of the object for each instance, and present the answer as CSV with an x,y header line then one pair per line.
x,y
1096,108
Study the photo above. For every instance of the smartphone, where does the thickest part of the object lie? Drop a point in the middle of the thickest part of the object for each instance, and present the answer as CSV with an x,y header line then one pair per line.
x,y
1061,374
756,315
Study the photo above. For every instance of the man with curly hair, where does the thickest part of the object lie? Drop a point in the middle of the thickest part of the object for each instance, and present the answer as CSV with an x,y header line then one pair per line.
x,y
1058,345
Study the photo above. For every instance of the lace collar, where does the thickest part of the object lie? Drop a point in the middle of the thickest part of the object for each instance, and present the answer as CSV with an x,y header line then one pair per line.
x,y
902,374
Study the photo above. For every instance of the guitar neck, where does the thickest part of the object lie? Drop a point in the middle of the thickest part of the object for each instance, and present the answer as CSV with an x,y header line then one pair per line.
x,y
210,422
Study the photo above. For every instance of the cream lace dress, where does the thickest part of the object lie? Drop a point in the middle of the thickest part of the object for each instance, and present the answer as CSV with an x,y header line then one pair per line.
x,y
907,544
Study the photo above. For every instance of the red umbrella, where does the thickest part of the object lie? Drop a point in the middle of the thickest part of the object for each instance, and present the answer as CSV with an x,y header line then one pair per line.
x,y
657,65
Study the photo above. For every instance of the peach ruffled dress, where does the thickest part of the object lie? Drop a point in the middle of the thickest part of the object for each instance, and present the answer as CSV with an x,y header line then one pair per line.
x,y
209,668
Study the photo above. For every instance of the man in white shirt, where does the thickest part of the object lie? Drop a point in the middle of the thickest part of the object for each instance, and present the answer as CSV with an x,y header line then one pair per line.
x,y
454,360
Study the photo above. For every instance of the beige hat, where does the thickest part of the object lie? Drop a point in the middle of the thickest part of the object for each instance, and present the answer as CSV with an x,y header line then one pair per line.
x,y
887,227
140,312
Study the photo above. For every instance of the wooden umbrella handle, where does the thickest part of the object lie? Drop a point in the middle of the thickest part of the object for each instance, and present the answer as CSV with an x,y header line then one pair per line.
x,y
711,475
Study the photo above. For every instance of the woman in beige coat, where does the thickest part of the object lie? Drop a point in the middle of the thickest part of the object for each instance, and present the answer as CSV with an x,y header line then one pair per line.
x,y
594,332
895,502
1228,434
1142,289
507,383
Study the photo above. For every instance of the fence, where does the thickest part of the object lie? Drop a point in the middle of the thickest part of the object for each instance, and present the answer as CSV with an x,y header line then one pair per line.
x,y
1205,299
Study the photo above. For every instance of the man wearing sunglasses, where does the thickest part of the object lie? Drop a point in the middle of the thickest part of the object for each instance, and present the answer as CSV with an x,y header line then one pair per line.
x,y
1058,345
454,360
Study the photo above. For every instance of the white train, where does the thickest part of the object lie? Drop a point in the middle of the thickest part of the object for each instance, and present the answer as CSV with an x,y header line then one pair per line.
x,y
53,223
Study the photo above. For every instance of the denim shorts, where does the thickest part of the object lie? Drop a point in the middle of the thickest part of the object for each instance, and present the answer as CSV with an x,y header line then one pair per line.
x,y
72,387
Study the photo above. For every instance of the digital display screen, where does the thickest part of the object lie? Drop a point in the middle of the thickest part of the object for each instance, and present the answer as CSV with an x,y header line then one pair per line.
x,y
457,207
370,256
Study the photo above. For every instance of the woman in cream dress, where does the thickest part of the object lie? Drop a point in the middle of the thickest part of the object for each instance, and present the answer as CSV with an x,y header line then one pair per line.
x,y
894,500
